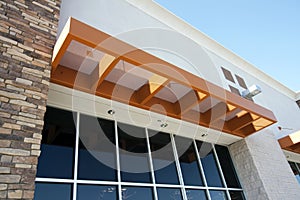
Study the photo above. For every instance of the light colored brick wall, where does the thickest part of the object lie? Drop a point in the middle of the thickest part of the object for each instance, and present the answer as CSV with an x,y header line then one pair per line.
x,y
263,169
27,36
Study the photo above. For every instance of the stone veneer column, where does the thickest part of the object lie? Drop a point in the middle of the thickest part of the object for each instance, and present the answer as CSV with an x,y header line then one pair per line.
x,y
27,36
263,169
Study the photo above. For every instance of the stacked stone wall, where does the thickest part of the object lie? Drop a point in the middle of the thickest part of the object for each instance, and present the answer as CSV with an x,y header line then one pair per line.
x,y
27,36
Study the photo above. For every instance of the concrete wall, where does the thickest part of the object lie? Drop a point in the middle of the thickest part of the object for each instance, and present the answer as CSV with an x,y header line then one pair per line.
x,y
284,107
263,169
27,36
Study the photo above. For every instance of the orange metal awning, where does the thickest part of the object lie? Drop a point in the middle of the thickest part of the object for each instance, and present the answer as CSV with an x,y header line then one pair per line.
x,y
291,142
92,61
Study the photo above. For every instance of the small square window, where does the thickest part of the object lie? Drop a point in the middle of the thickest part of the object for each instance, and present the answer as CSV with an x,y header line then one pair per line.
x,y
227,74
241,81
234,90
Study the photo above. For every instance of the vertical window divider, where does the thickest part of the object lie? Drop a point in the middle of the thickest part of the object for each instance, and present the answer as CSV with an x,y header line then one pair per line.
x,y
220,171
297,167
178,167
76,155
151,164
118,160
202,171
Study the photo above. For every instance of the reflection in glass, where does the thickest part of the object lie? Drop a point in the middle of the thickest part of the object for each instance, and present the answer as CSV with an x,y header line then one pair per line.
x,y
137,193
196,194
97,149
169,194
227,167
188,161
50,191
163,158
236,195
217,195
57,149
295,171
209,164
97,192
134,157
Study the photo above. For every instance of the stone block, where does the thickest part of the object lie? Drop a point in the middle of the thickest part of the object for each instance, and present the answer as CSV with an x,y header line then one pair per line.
x,y
28,194
3,187
10,178
15,194
6,159
14,152
4,170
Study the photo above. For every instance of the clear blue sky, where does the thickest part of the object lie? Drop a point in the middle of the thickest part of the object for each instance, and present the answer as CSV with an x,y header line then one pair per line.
x,y
264,32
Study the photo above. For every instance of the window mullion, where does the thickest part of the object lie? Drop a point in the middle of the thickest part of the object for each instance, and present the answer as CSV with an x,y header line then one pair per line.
x,y
151,164
76,156
118,161
202,171
180,176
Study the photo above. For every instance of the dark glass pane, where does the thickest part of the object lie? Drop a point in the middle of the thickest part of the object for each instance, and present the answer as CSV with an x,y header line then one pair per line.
x,y
95,192
209,164
163,158
217,195
241,81
236,195
234,90
227,167
97,149
50,191
295,170
57,149
227,74
137,193
196,194
169,194
188,161
134,158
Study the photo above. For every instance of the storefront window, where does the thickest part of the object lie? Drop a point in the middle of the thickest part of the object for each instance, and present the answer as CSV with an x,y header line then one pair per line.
x,y
106,159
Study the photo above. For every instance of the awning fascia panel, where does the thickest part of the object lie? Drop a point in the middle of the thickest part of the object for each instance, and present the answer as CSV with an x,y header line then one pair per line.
x,y
87,35
291,142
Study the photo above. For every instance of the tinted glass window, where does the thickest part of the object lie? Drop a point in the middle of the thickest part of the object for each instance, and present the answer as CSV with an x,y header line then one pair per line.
x,y
209,164
169,194
188,161
217,195
227,167
295,170
137,193
163,158
236,195
50,191
97,149
134,157
57,148
196,194
92,192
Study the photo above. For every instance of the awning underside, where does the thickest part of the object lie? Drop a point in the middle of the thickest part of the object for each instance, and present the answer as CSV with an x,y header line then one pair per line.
x,y
94,62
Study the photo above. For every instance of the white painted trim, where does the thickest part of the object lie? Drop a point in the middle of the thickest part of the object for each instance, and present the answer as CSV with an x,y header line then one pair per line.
x,y
291,156
163,15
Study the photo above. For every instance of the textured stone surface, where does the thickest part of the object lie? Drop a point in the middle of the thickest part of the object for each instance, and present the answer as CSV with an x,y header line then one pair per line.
x,y
27,36
263,169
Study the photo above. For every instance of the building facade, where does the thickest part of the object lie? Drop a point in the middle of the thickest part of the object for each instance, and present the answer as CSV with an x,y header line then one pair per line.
x,y
121,99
